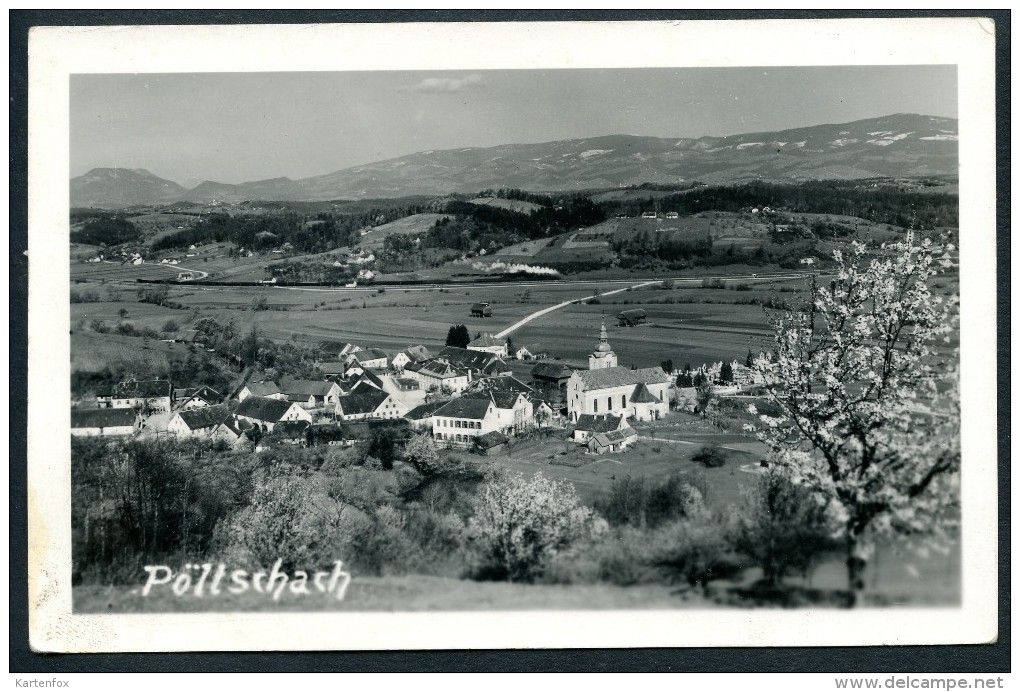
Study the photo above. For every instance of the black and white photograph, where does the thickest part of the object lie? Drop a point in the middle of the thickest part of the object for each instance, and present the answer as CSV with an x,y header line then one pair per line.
x,y
503,344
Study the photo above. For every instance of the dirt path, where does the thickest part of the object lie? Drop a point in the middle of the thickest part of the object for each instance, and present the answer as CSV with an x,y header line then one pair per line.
x,y
545,311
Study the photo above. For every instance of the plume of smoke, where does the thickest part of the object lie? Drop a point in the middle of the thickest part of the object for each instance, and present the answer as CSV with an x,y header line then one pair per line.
x,y
504,268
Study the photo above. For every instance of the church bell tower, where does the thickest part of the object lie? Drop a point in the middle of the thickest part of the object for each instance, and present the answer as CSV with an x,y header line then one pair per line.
x,y
602,356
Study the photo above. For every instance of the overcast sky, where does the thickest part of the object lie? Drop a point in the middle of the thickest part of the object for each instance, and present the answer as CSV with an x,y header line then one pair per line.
x,y
233,128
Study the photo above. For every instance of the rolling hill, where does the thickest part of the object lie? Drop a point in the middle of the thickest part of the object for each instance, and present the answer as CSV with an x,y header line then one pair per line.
x,y
895,145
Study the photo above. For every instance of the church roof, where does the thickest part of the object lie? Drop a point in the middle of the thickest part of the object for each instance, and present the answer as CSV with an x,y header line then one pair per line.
x,y
641,395
617,376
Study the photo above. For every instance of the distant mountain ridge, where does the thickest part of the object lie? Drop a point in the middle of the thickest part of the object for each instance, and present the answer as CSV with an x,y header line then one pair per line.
x,y
896,145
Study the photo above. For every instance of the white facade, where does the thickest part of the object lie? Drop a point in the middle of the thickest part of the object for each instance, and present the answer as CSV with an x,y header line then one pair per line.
x,y
464,430
400,360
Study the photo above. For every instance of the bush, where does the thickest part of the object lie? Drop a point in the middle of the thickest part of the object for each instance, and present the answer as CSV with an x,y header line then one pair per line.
x,y
643,502
170,326
695,551
711,455
520,525
420,451
782,527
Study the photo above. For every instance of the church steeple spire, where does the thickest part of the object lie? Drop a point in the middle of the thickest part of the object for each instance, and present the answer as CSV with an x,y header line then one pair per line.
x,y
602,356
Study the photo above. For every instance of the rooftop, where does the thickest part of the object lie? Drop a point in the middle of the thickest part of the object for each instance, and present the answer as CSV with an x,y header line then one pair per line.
x,y
465,407
618,376
262,408
102,417
207,417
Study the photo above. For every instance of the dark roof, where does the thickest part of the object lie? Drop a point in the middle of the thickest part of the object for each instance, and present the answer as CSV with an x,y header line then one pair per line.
x,y
607,438
488,363
641,395
491,439
144,389
205,393
102,417
479,306
363,387
617,376
262,408
424,410
334,347
554,371
486,341
263,388
208,417
307,388
370,354
637,312
363,402
437,367
332,367
505,383
465,407
597,423
417,353
228,425
369,377
500,399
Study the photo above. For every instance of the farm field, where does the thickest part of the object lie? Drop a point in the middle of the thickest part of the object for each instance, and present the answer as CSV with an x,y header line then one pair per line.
x,y
409,225
92,352
520,206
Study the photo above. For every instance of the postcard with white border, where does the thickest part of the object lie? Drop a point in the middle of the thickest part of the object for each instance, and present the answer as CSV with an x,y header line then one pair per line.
x,y
512,335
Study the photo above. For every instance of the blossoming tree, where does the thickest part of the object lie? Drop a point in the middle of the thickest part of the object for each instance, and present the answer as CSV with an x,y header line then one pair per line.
x,y
867,402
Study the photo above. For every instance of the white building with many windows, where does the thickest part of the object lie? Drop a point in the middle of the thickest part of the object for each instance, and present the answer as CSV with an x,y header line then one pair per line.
x,y
641,394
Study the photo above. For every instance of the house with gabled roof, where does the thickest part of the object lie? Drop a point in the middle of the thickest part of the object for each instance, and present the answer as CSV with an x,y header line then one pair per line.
x,y
103,422
487,343
369,403
459,421
612,441
312,393
332,368
369,358
439,373
196,422
479,363
266,413
514,410
197,398
411,354
641,393
266,388
229,432
588,425
338,349
150,395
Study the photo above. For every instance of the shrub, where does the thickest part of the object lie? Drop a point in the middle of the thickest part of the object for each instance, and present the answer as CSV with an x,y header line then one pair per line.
x,y
644,502
170,326
420,451
711,455
520,524
694,550
782,527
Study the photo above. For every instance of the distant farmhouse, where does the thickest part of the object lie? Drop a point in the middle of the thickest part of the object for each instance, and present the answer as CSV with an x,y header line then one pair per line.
x,y
631,318
369,403
103,422
487,343
267,388
197,398
151,395
197,422
481,310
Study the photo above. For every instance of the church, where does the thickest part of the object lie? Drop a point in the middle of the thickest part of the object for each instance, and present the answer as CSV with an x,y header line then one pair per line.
x,y
605,387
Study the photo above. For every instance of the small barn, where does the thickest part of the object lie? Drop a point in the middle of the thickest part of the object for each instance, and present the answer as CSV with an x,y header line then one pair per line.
x,y
631,318
490,443
481,310
612,441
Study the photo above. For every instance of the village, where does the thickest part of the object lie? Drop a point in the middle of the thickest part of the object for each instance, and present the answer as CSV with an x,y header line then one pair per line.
x,y
479,398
